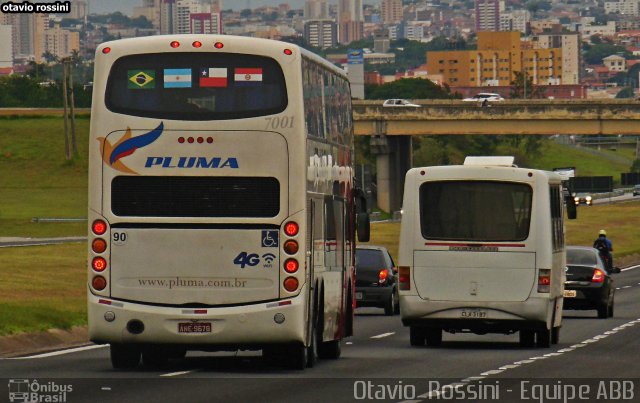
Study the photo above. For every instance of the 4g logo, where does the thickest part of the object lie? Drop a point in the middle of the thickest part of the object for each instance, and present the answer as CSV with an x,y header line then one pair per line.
x,y
253,259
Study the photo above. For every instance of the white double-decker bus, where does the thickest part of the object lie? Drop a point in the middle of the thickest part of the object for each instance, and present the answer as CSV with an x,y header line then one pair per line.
x,y
221,200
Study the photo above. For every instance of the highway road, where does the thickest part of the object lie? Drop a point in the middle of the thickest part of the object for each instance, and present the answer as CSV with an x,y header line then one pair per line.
x,y
377,364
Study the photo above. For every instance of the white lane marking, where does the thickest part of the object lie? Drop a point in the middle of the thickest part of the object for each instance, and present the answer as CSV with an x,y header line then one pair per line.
x,y
349,343
627,286
60,352
178,373
516,364
631,268
383,335
105,388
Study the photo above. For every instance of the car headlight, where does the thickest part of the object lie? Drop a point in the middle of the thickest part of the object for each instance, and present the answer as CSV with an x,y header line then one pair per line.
x,y
588,198
576,198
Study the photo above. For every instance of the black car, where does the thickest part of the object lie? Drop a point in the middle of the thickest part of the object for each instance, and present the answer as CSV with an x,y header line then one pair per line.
x,y
588,285
636,190
376,279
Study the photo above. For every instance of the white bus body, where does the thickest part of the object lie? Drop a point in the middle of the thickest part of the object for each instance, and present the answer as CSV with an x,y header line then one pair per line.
x,y
482,251
220,200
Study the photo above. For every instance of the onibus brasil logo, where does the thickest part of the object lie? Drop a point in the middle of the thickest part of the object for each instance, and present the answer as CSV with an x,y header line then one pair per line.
x,y
127,145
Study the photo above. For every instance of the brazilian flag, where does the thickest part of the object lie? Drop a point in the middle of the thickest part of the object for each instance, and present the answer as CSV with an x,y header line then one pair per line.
x,y
141,79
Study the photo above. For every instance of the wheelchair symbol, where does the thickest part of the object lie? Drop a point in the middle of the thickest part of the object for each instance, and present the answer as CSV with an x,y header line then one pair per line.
x,y
269,239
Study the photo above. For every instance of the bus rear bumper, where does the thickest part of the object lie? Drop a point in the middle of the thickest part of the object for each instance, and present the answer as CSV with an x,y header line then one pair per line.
x,y
249,326
535,312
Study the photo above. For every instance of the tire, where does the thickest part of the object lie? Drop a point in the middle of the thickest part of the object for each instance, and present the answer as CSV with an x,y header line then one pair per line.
x,y
330,350
603,311
610,310
527,338
417,336
296,356
124,356
543,338
154,358
396,310
433,337
555,335
312,353
390,305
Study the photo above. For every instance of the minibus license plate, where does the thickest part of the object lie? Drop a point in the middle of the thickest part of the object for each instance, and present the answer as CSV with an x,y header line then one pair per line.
x,y
358,296
474,313
194,327
569,293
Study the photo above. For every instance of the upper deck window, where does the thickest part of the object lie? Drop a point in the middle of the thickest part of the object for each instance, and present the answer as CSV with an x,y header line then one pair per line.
x,y
196,86
475,210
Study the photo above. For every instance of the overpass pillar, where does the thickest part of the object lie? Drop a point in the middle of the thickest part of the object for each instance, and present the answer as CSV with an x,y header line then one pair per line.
x,y
393,160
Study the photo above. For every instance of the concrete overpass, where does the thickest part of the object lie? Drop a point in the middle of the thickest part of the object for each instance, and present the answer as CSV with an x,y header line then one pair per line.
x,y
391,128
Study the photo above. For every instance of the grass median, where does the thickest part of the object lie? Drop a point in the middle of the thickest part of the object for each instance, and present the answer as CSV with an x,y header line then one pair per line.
x,y
42,287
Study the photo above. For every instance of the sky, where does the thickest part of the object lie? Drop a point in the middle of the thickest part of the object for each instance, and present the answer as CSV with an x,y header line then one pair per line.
x,y
126,6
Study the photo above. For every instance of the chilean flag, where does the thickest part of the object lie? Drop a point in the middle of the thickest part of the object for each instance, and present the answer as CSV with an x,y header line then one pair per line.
x,y
248,76
213,77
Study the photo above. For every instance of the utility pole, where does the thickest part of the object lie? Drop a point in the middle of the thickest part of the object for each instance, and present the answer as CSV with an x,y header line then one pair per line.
x,y
70,142
67,151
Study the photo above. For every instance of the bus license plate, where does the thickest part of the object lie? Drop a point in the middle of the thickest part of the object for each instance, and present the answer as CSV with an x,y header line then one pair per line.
x,y
570,293
474,313
194,327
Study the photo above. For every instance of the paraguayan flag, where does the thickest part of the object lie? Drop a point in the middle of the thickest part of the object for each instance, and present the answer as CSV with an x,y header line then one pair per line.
x,y
177,78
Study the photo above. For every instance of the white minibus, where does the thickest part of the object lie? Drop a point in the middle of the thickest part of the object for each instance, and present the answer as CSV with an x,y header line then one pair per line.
x,y
482,251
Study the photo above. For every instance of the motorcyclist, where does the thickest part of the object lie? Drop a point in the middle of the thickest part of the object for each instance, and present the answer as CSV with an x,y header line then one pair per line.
x,y
605,247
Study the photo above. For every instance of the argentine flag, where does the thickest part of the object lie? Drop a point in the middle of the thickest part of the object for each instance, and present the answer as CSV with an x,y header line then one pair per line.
x,y
177,78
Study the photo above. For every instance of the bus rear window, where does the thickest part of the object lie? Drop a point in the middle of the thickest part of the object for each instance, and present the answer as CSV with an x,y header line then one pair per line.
x,y
196,86
475,210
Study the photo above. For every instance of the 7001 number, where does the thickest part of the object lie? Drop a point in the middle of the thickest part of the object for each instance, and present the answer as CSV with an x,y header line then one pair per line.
x,y
282,122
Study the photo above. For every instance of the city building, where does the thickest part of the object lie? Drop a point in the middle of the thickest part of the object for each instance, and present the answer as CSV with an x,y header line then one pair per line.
x,y
350,21
487,15
6,46
61,42
316,10
518,20
570,44
603,30
27,32
615,63
79,10
391,11
205,23
321,33
498,57
168,17
623,7
150,10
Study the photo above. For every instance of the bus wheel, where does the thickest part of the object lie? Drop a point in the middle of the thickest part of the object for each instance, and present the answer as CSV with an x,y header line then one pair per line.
x,y
313,349
153,357
543,338
555,335
527,338
416,336
297,356
124,356
330,350
433,337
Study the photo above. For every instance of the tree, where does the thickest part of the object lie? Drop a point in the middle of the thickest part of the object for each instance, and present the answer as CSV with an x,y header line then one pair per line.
x,y
50,58
411,88
626,92
525,89
635,167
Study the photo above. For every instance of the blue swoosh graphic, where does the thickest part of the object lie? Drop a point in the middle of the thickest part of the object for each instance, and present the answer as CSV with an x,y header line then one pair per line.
x,y
130,146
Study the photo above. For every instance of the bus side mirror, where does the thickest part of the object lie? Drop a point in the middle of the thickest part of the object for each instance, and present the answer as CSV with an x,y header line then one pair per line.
x,y
363,226
572,209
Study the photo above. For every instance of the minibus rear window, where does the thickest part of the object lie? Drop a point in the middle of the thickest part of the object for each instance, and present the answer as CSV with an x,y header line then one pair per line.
x,y
475,210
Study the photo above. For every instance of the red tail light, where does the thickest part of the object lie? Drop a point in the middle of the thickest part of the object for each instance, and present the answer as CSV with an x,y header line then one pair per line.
x,y
99,227
291,228
99,263
598,276
175,44
544,280
99,245
291,247
218,45
404,277
291,266
99,283
382,276
106,50
290,284
197,44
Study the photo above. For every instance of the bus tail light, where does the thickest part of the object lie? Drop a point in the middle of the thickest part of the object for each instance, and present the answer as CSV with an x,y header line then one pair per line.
x,y
404,277
291,228
99,227
290,284
598,276
196,44
291,266
288,52
106,50
98,245
99,264
544,280
175,44
218,45
99,283
291,247
382,276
